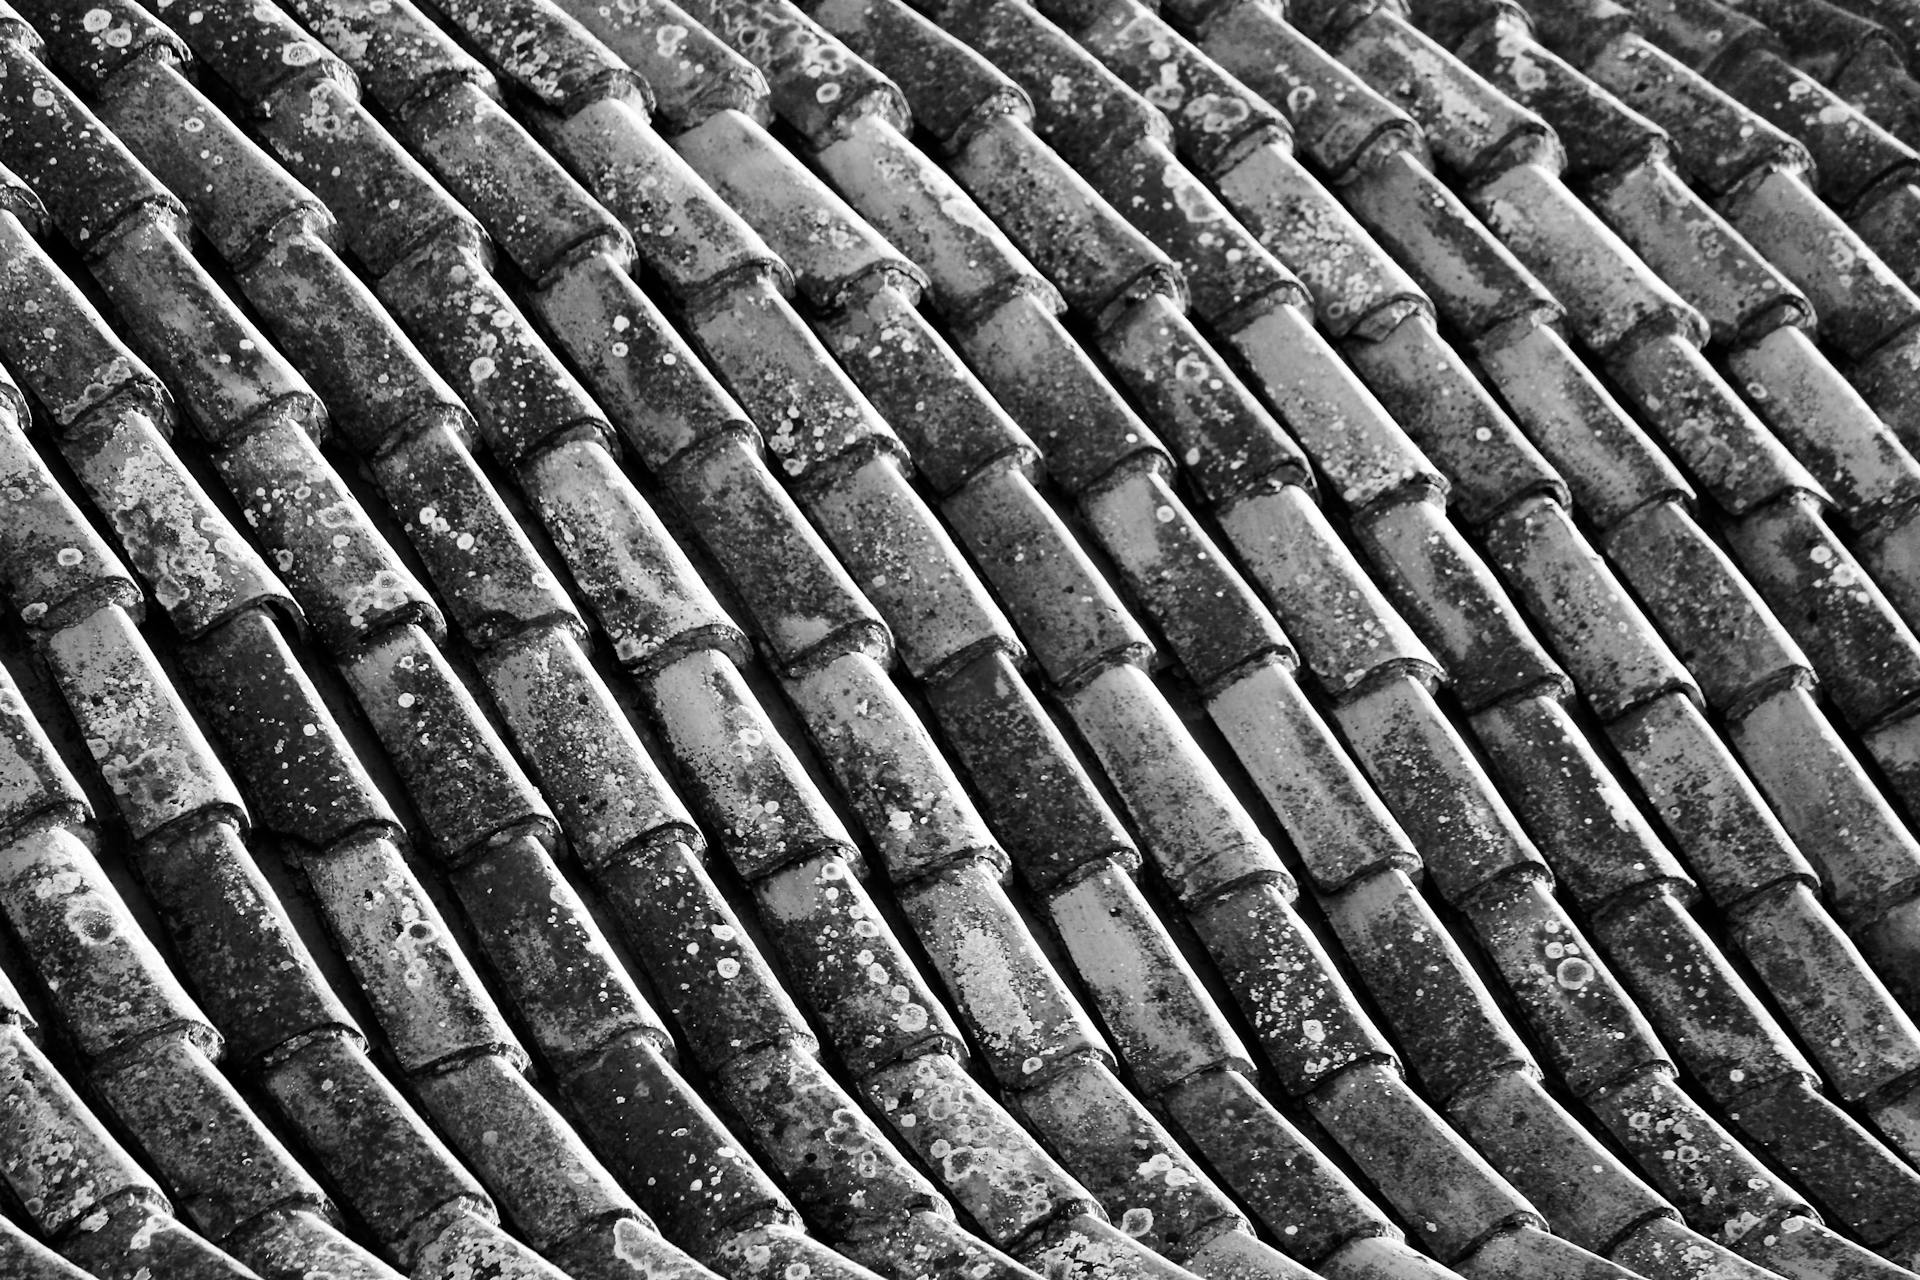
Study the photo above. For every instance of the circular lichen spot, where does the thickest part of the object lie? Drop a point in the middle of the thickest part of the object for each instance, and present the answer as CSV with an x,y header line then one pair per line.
x,y
1573,973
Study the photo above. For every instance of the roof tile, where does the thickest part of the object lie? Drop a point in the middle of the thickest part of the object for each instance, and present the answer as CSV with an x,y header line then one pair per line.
x,y
1430,779
954,427
1588,1192
136,1236
991,1166
817,83
1070,616
804,605
663,1140
74,361
1850,152
1718,625
151,753
57,568
92,182
1200,837
1615,656
1152,1187
1441,583
1730,839
1444,1019
1017,1010
1866,855
1692,248
1824,421
522,397
739,775
875,1006
459,527
813,417
547,952
659,396
906,563
1228,272
1365,455
1227,442
690,71
1597,132
95,46
256,980
641,587
425,995
1599,844
230,379
1435,396
1609,292
1050,385
1863,1041
1214,116
953,90
71,1167
387,203
1475,281
350,1115
1860,301
1610,465
1098,261
535,210
1867,658
814,1135
1730,1041
545,51
257,49
200,569
831,249
197,1131
1588,1027
27,1258
1696,415
1448,1193
1045,807
1338,120
1357,288
1346,630
1166,1027
35,783
1293,1189
1879,218
711,978
1210,617
969,262
1301,1013
1879,1205
550,1185
303,781
890,771
1339,826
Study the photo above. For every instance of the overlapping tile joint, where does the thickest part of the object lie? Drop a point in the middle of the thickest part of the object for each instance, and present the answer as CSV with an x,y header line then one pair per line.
x,y
653,640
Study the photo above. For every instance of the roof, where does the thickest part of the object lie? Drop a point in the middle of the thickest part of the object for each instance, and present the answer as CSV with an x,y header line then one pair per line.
x,y
976,640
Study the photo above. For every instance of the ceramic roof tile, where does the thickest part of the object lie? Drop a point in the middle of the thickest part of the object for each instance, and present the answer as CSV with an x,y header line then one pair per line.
x,y
1045,806
58,569
817,84
1453,600
1201,839
690,71
640,586
903,792
1738,291
953,426
909,566
1616,657
1226,441
1050,385
1208,614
